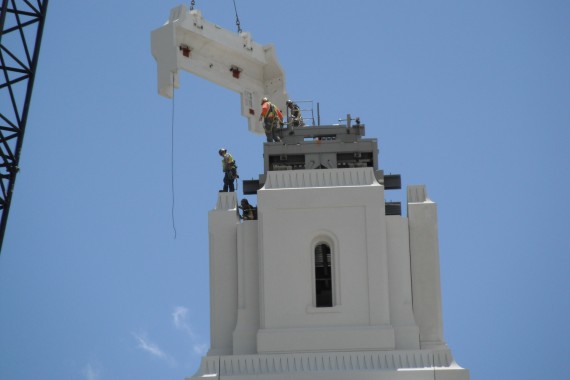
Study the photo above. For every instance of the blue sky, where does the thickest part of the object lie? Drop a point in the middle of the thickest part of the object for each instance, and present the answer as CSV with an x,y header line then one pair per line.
x,y
471,99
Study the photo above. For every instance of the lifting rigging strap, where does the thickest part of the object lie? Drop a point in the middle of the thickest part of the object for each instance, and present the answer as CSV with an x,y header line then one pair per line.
x,y
193,4
237,19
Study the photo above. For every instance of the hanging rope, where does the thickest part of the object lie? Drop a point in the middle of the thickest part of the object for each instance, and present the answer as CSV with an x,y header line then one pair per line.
x,y
237,18
172,158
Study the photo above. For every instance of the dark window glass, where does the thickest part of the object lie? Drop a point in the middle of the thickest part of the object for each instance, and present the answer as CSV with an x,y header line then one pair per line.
x,y
323,276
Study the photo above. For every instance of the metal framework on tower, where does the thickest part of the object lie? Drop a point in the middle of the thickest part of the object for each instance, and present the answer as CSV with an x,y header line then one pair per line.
x,y
21,28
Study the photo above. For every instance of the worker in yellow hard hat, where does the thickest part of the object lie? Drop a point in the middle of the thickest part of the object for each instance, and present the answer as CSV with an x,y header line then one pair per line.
x,y
230,170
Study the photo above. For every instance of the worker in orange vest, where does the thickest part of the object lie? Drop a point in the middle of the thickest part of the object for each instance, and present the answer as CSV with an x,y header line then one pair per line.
x,y
272,119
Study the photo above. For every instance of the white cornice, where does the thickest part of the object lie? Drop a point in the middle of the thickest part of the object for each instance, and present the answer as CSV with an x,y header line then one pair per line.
x,y
320,178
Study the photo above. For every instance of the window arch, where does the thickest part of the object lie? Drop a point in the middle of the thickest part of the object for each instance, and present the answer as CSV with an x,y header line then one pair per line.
x,y
324,275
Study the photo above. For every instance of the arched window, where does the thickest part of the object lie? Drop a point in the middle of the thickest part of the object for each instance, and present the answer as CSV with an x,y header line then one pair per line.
x,y
323,275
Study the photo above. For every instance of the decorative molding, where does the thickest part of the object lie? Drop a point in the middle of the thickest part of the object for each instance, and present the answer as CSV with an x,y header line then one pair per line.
x,y
417,194
268,364
284,179
226,201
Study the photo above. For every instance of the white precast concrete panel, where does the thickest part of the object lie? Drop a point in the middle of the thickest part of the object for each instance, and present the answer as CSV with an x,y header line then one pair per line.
x,y
424,256
231,60
401,310
370,333
345,208
245,332
222,226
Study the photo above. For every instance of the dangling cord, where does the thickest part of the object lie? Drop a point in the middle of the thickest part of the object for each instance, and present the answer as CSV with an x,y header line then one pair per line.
x,y
172,158
237,18
192,3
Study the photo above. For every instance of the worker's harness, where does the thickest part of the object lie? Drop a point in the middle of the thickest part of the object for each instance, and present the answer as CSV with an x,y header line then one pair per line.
x,y
271,113
230,168
272,117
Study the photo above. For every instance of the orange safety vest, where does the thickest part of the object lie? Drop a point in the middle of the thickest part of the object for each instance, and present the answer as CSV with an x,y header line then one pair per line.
x,y
269,111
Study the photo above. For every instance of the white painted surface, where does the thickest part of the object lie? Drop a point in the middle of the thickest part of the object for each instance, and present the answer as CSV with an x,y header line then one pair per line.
x,y
370,365
222,223
424,251
245,333
294,219
386,319
400,283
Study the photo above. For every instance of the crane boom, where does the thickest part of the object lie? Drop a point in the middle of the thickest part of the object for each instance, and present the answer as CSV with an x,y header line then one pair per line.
x,y
188,42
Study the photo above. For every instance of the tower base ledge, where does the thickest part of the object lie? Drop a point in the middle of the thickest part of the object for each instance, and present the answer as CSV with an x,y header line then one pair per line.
x,y
362,365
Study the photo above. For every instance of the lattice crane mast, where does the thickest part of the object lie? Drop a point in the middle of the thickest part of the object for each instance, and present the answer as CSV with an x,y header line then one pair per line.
x,y
21,29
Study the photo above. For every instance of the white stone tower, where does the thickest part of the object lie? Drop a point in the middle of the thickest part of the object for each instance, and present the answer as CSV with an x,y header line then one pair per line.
x,y
330,282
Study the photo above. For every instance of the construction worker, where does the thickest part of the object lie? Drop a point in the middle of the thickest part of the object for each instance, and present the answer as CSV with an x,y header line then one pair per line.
x,y
272,119
229,168
296,116
248,210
